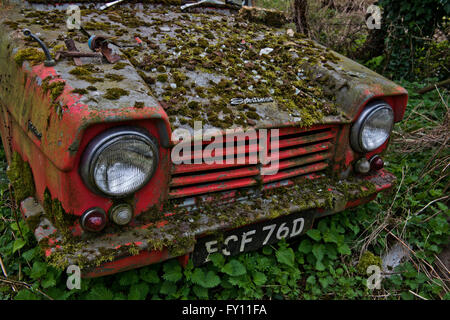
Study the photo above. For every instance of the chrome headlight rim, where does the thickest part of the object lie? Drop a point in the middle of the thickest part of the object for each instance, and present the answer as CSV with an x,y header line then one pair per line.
x,y
105,139
357,128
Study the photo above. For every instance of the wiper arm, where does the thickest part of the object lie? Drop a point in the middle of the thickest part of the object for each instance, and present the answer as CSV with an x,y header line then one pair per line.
x,y
107,5
211,2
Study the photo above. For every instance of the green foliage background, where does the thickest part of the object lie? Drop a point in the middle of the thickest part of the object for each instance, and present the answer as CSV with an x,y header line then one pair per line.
x,y
409,27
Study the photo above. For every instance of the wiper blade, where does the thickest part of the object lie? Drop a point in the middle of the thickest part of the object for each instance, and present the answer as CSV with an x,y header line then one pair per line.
x,y
110,4
211,2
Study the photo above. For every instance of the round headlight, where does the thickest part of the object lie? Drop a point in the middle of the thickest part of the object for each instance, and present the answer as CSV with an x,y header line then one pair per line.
x,y
119,161
372,128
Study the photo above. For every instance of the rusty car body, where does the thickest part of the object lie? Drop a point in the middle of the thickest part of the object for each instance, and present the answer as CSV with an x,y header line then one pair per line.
x,y
224,66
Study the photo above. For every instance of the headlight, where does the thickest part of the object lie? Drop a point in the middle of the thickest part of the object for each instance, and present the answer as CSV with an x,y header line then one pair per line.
x,y
119,161
372,128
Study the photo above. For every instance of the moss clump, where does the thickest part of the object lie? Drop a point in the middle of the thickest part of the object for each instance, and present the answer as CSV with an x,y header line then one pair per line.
x,y
179,77
148,80
85,73
203,43
368,259
58,216
224,83
11,24
55,88
58,47
33,55
162,77
193,104
80,71
91,88
80,91
119,65
114,77
115,93
133,249
91,25
21,177
139,104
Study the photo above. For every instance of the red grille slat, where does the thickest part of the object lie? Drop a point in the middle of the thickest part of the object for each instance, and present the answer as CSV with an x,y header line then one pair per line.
x,y
290,153
304,140
296,162
189,168
295,172
212,187
215,176
236,151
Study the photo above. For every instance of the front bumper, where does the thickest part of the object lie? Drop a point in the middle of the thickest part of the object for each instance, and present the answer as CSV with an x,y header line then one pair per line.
x,y
176,235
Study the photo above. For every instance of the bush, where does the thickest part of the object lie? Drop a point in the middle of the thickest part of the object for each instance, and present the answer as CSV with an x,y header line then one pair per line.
x,y
409,27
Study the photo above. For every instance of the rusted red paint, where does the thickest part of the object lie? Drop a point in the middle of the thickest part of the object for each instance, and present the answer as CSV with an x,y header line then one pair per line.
x,y
303,140
55,158
295,172
144,258
213,187
286,164
215,176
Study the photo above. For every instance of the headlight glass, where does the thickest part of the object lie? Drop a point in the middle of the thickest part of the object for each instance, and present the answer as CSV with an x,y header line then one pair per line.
x,y
121,163
373,127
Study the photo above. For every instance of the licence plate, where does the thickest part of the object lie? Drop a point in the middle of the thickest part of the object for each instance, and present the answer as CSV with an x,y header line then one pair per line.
x,y
252,237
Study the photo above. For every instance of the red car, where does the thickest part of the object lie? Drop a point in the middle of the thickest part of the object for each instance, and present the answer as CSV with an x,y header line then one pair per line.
x,y
94,100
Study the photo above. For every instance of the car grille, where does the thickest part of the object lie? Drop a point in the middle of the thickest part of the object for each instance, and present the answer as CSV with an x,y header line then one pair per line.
x,y
302,152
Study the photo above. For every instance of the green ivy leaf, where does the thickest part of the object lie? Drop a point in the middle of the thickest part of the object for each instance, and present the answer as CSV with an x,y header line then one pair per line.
x,y
331,236
149,275
324,282
128,278
168,288
319,251
311,280
138,291
323,225
344,249
217,259
305,246
172,271
259,278
29,254
48,281
314,234
38,270
59,294
208,280
200,292
234,268
18,244
99,292
320,266
267,250
285,256
26,294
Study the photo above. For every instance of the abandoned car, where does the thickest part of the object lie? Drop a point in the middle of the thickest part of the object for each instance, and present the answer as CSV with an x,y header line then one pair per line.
x,y
92,95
